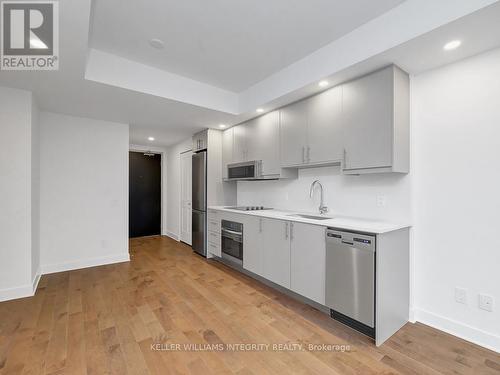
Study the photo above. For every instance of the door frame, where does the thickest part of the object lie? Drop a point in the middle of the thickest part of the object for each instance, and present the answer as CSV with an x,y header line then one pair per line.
x,y
190,151
163,199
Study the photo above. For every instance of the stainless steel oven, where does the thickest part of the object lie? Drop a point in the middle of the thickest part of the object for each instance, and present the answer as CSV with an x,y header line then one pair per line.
x,y
232,242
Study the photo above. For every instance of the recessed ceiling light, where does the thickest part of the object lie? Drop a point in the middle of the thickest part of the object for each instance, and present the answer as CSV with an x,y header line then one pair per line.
x,y
452,45
323,83
260,110
222,126
157,43
151,138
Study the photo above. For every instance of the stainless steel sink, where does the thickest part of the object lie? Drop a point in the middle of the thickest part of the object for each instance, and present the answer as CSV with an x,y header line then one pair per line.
x,y
312,217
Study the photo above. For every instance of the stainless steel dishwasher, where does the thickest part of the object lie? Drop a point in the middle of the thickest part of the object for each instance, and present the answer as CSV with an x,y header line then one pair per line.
x,y
350,279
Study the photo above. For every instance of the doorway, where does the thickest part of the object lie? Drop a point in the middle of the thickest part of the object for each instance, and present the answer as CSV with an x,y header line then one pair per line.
x,y
144,194
186,204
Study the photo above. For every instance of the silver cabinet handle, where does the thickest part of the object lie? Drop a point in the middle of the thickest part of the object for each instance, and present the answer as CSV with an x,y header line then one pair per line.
x,y
260,225
345,158
303,154
308,154
291,231
232,232
286,230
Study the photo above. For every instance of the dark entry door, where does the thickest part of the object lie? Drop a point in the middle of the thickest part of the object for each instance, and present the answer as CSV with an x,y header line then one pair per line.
x,y
144,194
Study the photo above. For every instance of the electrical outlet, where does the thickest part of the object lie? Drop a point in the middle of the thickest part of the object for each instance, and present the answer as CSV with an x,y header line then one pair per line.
x,y
485,302
381,200
461,295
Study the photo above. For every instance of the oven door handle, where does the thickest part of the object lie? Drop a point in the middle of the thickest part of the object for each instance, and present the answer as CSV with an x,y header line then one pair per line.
x,y
232,232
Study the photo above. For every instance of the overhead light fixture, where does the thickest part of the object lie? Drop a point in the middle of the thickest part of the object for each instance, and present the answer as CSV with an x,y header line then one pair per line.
x,y
222,126
323,83
156,43
151,138
452,45
260,110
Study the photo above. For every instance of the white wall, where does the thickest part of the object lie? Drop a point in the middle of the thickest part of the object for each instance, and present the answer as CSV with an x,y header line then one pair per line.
x,y
35,191
456,130
15,193
344,195
84,192
174,187
164,197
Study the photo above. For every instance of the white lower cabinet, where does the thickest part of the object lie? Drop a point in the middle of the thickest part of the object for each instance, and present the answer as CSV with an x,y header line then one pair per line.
x,y
276,251
252,242
213,234
307,263
289,254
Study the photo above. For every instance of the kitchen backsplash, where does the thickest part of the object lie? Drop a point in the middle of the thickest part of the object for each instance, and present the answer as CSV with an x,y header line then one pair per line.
x,y
377,196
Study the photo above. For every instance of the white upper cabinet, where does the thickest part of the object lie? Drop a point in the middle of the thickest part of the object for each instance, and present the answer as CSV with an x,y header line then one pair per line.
x,y
362,125
276,257
257,139
263,142
293,134
227,150
308,254
376,122
252,140
239,144
200,141
311,130
324,127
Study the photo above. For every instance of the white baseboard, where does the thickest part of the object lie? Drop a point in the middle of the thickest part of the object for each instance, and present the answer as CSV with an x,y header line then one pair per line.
x,y
466,332
173,235
29,290
23,291
412,315
15,293
85,263
35,281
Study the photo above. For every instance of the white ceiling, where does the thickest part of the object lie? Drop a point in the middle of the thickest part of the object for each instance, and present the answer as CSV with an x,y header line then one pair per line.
x,y
231,44
171,119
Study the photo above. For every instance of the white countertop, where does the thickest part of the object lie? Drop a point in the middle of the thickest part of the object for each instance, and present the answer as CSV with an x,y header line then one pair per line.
x,y
341,222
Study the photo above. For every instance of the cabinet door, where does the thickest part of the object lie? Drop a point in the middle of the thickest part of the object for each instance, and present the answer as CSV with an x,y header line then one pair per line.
x,y
276,255
252,250
293,134
239,143
307,264
368,120
263,142
324,127
227,150
252,146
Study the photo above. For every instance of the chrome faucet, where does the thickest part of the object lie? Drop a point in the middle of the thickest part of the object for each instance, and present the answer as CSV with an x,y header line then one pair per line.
x,y
322,208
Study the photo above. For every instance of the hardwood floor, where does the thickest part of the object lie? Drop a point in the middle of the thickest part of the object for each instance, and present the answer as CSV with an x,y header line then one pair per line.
x,y
104,320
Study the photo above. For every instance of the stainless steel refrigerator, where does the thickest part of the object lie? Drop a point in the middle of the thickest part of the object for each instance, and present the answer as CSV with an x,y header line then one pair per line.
x,y
199,191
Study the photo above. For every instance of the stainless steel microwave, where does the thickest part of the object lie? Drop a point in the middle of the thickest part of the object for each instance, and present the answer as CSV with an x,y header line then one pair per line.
x,y
248,170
